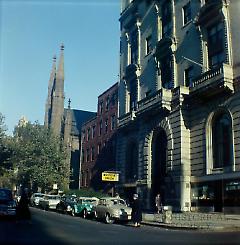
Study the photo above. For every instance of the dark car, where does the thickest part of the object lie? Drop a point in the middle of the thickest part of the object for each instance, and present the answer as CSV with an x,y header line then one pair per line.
x,y
66,203
7,203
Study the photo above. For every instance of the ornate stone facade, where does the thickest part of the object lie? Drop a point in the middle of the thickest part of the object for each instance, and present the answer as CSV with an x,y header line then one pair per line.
x,y
179,104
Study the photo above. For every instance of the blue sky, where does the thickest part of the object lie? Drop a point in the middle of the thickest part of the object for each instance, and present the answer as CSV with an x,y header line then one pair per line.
x,y
31,32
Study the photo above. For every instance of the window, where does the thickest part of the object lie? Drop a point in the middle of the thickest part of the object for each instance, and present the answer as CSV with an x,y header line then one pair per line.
x,y
134,47
106,125
88,134
107,103
101,107
93,131
187,15
166,72
113,122
114,98
83,156
148,44
92,154
166,19
100,128
216,50
88,156
188,76
222,140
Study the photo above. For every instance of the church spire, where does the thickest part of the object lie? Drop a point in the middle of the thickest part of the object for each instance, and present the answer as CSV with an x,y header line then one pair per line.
x,y
60,71
51,84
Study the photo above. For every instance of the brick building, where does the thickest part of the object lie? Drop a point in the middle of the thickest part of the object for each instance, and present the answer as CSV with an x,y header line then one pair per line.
x,y
99,140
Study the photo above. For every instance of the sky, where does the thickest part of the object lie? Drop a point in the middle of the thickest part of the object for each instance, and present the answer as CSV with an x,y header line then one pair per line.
x,y
31,33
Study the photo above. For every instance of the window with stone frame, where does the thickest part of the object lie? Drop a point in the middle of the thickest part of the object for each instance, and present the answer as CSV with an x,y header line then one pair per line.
x,y
187,14
166,67
222,141
134,47
216,46
188,76
167,23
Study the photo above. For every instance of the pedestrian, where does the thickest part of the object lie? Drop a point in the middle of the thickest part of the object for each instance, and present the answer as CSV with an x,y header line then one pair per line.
x,y
23,212
158,203
136,211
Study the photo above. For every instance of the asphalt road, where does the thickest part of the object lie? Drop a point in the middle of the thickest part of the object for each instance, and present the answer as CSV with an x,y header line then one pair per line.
x,y
53,228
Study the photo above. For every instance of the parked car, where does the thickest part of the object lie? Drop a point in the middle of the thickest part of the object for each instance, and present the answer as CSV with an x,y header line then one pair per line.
x,y
66,204
74,206
84,206
35,198
49,202
111,209
7,203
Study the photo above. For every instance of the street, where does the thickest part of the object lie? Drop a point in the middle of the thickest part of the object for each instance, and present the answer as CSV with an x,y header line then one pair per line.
x,y
53,228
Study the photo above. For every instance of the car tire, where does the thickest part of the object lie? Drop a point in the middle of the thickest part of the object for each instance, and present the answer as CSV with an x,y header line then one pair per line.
x,y
73,213
108,219
95,215
84,213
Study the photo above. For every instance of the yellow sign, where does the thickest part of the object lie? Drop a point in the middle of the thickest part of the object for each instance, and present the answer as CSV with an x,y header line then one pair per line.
x,y
108,176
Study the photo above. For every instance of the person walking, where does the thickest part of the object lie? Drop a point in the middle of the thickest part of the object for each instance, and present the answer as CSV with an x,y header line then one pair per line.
x,y
158,203
136,211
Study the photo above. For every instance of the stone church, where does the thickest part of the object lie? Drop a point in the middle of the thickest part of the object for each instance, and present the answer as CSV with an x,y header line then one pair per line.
x,y
65,122
179,103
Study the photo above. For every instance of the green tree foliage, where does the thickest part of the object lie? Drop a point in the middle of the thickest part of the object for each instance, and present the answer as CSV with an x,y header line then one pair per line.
x,y
39,157
5,153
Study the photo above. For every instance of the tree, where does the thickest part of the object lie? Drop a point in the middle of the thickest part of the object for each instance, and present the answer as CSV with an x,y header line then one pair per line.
x,y
5,154
39,157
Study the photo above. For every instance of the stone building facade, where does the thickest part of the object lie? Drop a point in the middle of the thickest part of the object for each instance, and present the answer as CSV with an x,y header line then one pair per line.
x,y
65,122
179,103
98,141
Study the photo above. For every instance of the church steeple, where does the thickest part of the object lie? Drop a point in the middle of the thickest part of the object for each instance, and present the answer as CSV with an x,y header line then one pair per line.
x,y
51,85
60,70
55,102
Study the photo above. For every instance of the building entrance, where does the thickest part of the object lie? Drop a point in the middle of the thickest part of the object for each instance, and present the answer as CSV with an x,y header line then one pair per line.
x,y
159,156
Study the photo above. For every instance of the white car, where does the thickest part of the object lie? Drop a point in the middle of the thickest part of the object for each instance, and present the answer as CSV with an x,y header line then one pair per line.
x,y
49,202
35,198
112,209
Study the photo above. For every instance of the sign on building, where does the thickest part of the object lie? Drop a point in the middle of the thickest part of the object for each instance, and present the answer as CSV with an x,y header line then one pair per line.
x,y
110,176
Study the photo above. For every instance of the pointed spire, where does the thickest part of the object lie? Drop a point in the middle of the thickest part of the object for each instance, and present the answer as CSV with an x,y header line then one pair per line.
x,y
60,71
52,75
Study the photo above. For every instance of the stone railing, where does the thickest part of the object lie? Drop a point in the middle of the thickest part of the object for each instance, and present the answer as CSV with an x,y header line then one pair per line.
x,y
160,98
223,74
126,118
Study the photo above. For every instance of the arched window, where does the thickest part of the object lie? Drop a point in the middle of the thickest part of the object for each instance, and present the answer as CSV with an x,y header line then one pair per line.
x,y
222,140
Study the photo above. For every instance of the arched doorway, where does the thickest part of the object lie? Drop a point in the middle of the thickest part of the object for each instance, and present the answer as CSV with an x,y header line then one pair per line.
x,y
159,157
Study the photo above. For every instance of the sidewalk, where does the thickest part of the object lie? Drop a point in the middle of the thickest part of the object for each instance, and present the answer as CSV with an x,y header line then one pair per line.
x,y
206,221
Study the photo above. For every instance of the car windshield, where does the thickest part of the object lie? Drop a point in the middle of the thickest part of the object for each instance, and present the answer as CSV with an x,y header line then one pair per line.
x,y
5,194
117,202
39,195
